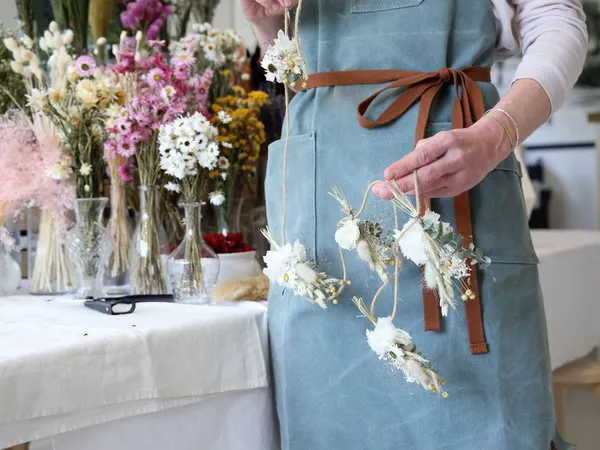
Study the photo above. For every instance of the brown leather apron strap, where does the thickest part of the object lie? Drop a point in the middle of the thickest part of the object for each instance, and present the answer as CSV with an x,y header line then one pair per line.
x,y
468,106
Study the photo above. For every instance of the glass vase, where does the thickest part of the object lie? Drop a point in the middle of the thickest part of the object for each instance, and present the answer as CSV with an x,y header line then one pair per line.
x,y
149,247
193,266
229,216
116,259
10,272
49,269
87,244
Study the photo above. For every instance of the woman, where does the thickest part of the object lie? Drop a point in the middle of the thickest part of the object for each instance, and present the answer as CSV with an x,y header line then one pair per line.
x,y
332,391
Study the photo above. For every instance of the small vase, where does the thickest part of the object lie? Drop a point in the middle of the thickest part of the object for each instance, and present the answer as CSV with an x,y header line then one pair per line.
x,y
116,261
87,244
149,247
49,268
10,272
193,266
238,265
229,216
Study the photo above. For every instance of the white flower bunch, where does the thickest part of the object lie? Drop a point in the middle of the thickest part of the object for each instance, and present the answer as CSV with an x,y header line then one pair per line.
x,y
220,47
396,346
288,266
188,145
429,242
366,237
283,62
25,61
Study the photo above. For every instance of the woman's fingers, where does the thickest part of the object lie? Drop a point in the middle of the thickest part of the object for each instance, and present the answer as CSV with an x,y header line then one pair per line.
x,y
425,152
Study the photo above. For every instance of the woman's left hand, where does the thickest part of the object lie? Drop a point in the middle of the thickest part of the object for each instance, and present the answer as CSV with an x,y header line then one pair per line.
x,y
451,162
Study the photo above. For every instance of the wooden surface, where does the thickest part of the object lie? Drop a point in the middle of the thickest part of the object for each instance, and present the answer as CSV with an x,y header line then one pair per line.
x,y
582,374
19,447
594,117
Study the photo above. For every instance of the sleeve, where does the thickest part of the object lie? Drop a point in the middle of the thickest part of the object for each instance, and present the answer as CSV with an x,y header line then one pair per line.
x,y
554,41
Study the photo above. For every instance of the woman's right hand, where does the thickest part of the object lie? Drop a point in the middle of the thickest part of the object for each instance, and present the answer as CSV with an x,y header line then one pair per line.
x,y
260,11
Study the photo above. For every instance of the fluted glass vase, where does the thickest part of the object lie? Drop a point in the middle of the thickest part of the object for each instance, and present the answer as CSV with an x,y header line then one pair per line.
x,y
116,262
87,244
193,266
149,247
49,267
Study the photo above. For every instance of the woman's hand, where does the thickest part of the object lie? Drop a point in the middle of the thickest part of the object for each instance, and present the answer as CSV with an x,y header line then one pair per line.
x,y
257,11
450,162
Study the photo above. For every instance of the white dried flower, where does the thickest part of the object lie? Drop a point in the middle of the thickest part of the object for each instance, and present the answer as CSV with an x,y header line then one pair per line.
x,y
348,234
86,188
16,67
224,117
54,27
27,42
101,42
245,76
43,45
85,169
11,44
67,37
139,36
217,198
172,187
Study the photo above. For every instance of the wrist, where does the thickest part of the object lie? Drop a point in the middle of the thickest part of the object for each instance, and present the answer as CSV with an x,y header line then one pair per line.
x,y
266,29
498,138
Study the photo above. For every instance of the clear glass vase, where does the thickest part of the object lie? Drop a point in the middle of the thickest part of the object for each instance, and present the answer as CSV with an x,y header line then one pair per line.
x,y
49,268
116,280
149,247
193,266
10,272
87,244
229,216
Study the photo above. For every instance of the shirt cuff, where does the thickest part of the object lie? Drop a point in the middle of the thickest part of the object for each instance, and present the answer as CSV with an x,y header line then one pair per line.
x,y
548,76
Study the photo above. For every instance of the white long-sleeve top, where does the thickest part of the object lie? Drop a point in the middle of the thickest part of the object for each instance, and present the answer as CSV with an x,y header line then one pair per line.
x,y
552,37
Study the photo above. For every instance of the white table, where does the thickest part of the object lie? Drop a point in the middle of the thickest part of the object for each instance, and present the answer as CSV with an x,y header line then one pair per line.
x,y
569,273
89,380
245,419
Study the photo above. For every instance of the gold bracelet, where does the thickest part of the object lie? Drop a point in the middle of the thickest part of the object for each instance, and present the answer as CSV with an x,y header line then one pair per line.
x,y
510,138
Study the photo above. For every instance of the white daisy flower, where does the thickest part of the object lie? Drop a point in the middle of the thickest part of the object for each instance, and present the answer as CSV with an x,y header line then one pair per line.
x,y
172,187
224,117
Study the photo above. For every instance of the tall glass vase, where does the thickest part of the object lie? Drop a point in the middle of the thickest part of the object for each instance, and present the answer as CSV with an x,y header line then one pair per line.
x,y
229,216
149,247
87,244
193,266
116,260
49,269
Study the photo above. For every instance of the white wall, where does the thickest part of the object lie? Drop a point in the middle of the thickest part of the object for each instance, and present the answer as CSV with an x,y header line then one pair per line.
x,y
228,16
8,13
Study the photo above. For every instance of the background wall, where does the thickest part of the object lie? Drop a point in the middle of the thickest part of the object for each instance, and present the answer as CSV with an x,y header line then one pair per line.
x,y
8,13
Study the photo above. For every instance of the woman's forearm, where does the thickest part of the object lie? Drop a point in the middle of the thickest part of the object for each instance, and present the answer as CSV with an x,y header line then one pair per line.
x,y
266,31
528,104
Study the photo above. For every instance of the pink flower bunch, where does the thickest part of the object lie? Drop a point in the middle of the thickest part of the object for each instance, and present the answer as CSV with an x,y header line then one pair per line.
x,y
166,89
28,150
148,16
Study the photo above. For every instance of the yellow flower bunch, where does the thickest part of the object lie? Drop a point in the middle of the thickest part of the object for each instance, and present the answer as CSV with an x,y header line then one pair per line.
x,y
244,135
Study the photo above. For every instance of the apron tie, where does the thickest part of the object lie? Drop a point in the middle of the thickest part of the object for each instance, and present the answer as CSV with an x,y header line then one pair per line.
x,y
468,107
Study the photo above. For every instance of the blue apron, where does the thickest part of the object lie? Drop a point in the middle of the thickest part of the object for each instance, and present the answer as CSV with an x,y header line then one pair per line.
x,y
332,391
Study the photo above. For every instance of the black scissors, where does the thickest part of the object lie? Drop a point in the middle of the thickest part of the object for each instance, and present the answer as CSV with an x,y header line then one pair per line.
x,y
116,306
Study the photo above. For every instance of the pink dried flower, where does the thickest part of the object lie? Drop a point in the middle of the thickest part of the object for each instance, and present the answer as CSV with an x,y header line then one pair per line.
x,y
125,171
85,66
155,77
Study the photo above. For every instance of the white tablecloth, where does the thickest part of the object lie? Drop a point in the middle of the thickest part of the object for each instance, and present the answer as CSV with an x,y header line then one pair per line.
x,y
64,366
569,270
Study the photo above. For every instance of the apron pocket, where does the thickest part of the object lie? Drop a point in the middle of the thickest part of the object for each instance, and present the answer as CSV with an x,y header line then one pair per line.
x,y
499,215
300,186
360,6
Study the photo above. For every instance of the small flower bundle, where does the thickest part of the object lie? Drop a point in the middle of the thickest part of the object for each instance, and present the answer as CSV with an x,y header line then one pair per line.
x,y
429,242
189,151
283,62
364,236
288,266
395,346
